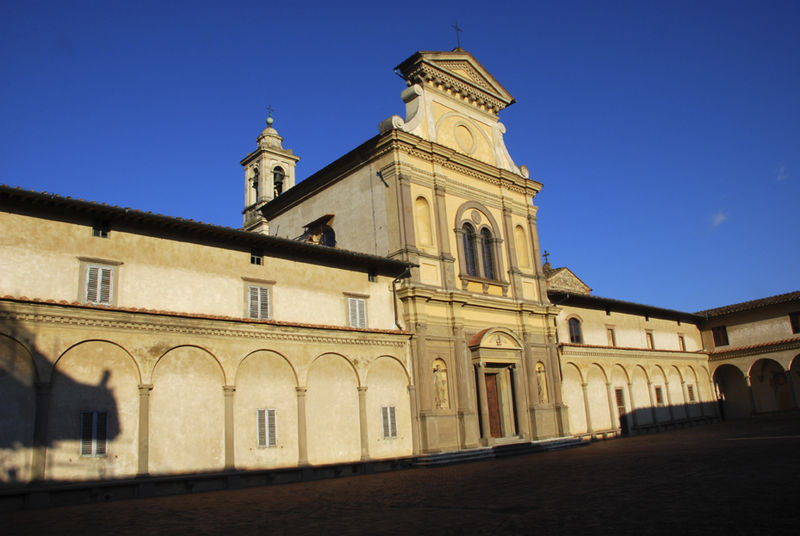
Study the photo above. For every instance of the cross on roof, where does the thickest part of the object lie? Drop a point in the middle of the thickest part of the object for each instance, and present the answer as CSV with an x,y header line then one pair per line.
x,y
270,110
458,33
546,256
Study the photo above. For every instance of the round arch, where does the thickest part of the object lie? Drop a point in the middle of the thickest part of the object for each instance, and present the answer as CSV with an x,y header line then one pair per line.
x,y
732,391
202,349
105,341
334,355
770,386
258,352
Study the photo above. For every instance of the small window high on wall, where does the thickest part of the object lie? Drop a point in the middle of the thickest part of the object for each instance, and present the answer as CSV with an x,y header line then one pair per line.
x,y
575,335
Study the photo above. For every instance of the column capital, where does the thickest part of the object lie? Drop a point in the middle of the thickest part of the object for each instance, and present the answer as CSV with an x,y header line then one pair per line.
x,y
229,389
362,389
301,391
145,388
411,388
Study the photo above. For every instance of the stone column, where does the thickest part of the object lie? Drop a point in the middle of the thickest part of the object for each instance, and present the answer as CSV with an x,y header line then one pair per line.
x,y
511,254
537,257
443,238
652,402
412,400
520,402
483,404
302,432
144,429
669,401
611,410
634,420
362,418
406,206
40,425
749,384
228,391
589,427
792,390
685,400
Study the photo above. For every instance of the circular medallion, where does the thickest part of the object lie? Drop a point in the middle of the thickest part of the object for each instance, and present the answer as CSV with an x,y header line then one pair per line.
x,y
475,216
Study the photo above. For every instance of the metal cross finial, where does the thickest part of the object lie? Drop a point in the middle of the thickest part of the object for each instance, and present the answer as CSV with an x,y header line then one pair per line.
x,y
458,33
546,256
270,110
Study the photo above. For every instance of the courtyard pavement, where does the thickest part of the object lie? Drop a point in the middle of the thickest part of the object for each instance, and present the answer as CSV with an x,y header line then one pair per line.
x,y
740,477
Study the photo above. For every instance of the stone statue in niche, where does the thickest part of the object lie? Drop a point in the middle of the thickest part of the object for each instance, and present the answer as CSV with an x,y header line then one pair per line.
x,y
441,400
541,382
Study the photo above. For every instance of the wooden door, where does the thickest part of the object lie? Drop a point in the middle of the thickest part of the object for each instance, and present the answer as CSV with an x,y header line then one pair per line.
x,y
495,425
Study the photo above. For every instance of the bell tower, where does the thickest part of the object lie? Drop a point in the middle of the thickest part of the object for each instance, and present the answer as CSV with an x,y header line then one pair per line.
x,y
268,172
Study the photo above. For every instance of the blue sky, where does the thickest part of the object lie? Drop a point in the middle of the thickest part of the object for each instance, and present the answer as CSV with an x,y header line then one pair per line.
x,y
667,134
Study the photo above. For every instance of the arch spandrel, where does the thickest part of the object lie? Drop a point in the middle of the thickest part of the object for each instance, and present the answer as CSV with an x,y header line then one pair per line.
x,y
74,347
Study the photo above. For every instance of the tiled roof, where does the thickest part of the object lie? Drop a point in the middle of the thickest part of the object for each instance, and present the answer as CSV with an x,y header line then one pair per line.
x,y
561,297
18,198
753,304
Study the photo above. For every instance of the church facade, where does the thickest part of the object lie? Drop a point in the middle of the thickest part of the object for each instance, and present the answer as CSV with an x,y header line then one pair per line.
x,y
409,313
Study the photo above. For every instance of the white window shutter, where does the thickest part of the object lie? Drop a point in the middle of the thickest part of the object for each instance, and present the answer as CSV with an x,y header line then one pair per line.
x,y
87,433
357,312
101,433
262,427
253,302
91,284
263,306
362,313
385,421
272,428
393,421
105,285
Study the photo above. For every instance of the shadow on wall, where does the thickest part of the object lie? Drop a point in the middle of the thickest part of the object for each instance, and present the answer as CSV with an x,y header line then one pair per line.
x,y
644,420
32,419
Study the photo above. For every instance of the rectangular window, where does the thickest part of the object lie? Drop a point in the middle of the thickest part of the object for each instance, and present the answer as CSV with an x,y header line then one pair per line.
x,y
256,257
659,396
794,319
100,229
649,336
612,337
720,335
94,426
620,396
690,392
258,302
357,312
98,284
682,343
267,427
389,422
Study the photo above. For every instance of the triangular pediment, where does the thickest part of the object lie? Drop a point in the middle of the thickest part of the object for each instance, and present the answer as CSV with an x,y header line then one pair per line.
x,y
565,280
457,71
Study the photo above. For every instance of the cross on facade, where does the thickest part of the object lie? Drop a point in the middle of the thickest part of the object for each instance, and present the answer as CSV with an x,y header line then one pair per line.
x,y
458,33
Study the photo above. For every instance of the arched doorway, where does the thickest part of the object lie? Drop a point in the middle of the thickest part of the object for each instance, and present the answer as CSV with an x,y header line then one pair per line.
x,y
771,390
732,392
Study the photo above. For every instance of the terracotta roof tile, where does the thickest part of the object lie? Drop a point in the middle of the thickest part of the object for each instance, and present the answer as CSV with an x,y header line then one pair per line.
x,y
753,304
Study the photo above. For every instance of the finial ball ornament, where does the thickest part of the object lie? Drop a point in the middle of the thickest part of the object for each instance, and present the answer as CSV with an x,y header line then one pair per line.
x,y
270,120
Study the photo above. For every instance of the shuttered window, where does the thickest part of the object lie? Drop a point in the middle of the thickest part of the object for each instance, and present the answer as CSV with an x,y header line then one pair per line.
x,y
258,302
389,422
267,428
94,433
98,284
357,312
690,392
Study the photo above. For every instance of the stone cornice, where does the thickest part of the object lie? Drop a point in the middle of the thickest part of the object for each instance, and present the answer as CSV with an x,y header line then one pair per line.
x,y
768,347
118,319
586,350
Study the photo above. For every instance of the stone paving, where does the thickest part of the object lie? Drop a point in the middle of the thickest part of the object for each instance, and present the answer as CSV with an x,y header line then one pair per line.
x,y
732,478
